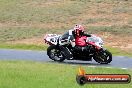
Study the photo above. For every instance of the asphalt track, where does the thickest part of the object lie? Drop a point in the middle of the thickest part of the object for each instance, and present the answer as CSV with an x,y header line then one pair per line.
x,y
10,54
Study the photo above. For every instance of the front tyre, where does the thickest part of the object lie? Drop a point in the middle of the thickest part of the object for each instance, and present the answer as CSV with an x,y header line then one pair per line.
x,y
103,57
55,53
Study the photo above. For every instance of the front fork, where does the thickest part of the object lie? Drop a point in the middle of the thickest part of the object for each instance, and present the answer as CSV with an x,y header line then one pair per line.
x,y
101,53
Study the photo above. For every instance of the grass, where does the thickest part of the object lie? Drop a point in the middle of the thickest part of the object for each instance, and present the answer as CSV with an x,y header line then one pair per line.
x,y
38,10
11,34
23,46
95,20
18,33
116,30
29,74
20,19
118,52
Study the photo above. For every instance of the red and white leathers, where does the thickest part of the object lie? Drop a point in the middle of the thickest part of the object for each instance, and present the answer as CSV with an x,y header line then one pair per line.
x,y
76,37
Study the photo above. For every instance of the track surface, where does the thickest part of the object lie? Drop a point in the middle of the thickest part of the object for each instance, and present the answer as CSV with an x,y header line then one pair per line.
x,y
10,54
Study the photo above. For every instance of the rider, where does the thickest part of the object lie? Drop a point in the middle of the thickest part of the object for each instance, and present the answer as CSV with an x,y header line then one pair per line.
x,y
76,37
79,38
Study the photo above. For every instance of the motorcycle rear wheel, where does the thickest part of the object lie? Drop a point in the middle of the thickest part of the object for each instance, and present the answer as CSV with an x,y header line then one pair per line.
x,y
55,53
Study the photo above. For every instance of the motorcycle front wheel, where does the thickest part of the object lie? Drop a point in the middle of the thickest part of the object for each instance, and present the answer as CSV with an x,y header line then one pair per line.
x,y
103,57
55,53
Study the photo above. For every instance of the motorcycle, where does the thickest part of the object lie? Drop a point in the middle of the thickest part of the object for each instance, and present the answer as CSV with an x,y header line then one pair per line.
x,y
94,51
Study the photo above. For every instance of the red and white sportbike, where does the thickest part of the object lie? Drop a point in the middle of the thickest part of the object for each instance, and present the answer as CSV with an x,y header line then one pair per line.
x,y
92,50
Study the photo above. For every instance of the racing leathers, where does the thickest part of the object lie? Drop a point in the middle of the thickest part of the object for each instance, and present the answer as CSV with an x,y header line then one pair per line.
x,y
71,38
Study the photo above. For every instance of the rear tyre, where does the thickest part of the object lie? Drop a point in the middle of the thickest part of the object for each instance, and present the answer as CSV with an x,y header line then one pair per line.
x,y
55,53
103,57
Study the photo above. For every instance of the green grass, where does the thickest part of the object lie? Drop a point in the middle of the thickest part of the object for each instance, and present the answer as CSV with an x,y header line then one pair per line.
x,y
29,74
11,34
18,33
118,52
23,46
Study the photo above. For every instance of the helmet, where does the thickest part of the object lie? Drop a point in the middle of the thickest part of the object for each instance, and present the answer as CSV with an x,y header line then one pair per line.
x,y
79,30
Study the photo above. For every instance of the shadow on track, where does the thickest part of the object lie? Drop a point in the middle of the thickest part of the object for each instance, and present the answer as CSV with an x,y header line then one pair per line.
x,y
85,63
